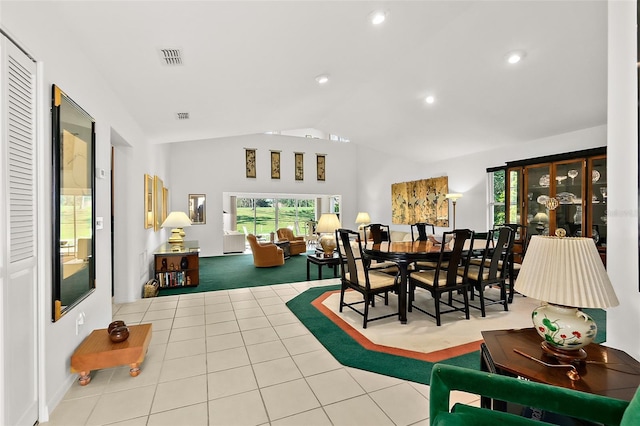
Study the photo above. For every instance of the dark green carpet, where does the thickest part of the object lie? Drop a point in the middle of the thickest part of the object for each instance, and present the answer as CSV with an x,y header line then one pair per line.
x,y
348,352
237,271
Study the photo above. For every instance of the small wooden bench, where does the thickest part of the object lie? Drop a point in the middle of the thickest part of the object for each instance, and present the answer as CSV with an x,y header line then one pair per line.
x,y
98,351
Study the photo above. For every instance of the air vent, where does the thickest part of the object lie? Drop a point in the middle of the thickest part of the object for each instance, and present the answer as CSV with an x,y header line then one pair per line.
x,y
182,115
171,56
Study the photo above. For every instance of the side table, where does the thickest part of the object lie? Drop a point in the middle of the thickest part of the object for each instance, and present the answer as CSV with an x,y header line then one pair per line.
x,y
332,262
98,351
286,248
609,372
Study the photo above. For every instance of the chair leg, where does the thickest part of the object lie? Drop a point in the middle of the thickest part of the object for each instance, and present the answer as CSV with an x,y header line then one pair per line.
x,y
436,299
503,295
481,297
366,311
466,303
412,289
342,298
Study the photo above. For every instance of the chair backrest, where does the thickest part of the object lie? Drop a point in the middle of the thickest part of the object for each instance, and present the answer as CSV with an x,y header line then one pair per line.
x,y
345,238
497,251
458,256
421,229
377,232
311,228
285,234
253,242
520,235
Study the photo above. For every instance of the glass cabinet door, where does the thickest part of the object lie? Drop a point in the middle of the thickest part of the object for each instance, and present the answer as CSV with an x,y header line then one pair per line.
x,y
598,214
569,183
514,180
537,189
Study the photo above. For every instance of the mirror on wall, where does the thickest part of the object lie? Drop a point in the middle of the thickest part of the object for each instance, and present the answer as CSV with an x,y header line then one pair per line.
x,y
73,133
197,212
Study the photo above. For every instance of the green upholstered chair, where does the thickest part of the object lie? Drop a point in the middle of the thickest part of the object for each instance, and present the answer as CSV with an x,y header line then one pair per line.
x,y
555,399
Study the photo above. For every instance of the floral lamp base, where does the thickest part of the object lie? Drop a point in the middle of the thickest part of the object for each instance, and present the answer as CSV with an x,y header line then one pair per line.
x,y
565,331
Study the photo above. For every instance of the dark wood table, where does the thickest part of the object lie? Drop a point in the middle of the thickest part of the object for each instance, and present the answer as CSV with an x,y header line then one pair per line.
x,y
286,248
403,253
618,378
332,262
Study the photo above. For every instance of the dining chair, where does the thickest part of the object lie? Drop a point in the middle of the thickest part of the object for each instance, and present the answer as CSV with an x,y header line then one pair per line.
x,y
421,231
444,277
376,232
490,270
357,275
311,237
520,237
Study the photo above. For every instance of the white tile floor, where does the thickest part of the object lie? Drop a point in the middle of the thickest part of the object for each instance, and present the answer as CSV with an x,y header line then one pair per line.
x,y
238,357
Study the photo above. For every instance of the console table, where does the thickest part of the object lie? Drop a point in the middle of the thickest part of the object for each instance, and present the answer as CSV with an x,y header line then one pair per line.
x,y
332,262
613,372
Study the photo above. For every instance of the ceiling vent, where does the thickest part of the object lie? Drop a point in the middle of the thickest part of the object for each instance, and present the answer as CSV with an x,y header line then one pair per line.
x,y
182,115
171,56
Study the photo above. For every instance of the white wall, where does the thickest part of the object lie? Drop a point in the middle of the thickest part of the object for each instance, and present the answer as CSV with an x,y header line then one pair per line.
x,y
622,169
214,167
36,30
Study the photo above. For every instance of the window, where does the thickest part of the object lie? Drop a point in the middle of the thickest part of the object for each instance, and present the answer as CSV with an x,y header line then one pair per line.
x,y
261,216
496,197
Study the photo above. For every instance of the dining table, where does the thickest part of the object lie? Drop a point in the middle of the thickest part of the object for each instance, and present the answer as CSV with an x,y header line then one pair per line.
x,y
404,253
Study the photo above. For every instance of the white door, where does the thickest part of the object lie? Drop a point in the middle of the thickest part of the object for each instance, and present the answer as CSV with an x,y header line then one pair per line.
x,y
18,233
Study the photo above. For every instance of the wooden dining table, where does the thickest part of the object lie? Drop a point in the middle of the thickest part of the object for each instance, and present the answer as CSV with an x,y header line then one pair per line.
x,y
403,253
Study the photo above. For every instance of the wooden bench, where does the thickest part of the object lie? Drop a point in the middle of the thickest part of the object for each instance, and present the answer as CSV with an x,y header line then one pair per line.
x,y
98,351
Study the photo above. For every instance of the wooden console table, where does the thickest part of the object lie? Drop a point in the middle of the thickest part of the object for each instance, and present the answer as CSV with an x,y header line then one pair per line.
x,y
98,351
607,371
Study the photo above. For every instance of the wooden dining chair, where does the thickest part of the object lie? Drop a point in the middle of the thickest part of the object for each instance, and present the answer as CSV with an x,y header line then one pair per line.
x,y
444,277
377,233
421,231
357,275
491,270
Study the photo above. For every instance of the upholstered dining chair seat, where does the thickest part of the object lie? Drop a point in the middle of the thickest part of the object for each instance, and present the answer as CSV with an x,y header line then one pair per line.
x,y
377,279
428,277
474,273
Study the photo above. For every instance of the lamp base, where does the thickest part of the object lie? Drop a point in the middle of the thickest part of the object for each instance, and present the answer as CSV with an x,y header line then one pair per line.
x,y
176,239
565,331
328,244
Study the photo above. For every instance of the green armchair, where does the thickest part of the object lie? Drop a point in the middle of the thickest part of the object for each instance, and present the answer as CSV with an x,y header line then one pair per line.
x,y
563,401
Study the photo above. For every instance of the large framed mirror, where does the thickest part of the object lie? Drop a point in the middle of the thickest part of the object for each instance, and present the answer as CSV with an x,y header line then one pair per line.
x,y
73,132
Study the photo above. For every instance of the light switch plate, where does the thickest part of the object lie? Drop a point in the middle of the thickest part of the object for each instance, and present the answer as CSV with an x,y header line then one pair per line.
x,y
99,223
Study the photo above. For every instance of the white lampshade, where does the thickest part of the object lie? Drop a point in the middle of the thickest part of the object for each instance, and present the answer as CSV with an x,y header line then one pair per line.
x,y
176,220
363,218
453,196
327,225
566,273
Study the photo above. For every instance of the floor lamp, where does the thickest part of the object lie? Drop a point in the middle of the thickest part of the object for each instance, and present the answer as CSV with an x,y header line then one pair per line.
x,y
454,198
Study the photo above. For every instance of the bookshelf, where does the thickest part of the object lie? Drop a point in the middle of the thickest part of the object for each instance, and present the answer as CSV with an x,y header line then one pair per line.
x,y
180,268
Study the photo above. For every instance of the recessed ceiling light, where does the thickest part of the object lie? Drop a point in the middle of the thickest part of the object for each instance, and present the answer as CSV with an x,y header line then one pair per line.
x,y
430,99
515,57
322,79
377,17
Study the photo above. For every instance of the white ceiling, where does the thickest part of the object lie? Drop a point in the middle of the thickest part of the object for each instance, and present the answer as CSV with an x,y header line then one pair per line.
x,y
250,67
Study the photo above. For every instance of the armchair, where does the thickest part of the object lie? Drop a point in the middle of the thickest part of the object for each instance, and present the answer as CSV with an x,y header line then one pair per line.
x,y
265,254
297,245
558,400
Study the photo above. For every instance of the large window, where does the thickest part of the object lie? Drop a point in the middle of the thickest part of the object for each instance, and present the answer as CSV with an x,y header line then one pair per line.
x,y
496,197
261,216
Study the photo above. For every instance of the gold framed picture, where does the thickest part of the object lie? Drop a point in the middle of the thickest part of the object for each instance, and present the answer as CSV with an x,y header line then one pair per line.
x,y
148,201
165,203
157,203
275,164
250,159
321,163
299,163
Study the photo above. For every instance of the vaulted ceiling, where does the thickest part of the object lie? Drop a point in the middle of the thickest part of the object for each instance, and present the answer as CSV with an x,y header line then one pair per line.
x,y
250,67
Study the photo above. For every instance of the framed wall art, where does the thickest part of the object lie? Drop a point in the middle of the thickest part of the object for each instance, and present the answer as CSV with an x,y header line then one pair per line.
x,y
197,206
299,165
275,164
157,202
165,203
320,164
148,201
250,161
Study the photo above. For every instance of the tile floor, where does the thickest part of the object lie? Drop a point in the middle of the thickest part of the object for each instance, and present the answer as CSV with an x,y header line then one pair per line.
x,y
238,357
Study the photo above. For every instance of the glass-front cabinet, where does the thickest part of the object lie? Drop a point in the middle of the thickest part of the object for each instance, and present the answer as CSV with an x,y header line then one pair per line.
x,y
567,192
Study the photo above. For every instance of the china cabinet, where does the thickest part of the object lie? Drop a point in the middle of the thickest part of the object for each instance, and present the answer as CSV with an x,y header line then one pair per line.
x,y
567,191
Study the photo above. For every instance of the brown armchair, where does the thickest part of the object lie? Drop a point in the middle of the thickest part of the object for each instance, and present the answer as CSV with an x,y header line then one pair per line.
x,y
265,254
297,245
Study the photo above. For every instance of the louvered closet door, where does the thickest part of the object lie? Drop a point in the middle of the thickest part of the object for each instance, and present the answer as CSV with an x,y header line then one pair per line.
x,y
18,232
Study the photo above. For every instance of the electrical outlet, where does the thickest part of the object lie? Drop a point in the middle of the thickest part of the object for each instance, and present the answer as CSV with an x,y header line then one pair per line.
x,y
99,223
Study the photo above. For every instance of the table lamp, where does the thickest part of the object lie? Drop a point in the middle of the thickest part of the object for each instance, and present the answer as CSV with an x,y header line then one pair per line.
x,y
565,274
363,219
327,225
177,221
454,198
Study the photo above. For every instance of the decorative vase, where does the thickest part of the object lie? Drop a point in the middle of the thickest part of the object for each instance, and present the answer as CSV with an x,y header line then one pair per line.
x,y
564,328
184,263
115,324
164,265
119,334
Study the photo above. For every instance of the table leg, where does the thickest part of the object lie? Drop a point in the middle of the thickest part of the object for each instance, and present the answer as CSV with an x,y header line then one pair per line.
x,y
135,369
308,275
402,294
335,271
320,271
84,378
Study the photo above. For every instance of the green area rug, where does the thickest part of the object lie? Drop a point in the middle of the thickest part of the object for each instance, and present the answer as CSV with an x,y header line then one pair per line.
x,y
237,271
350,353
